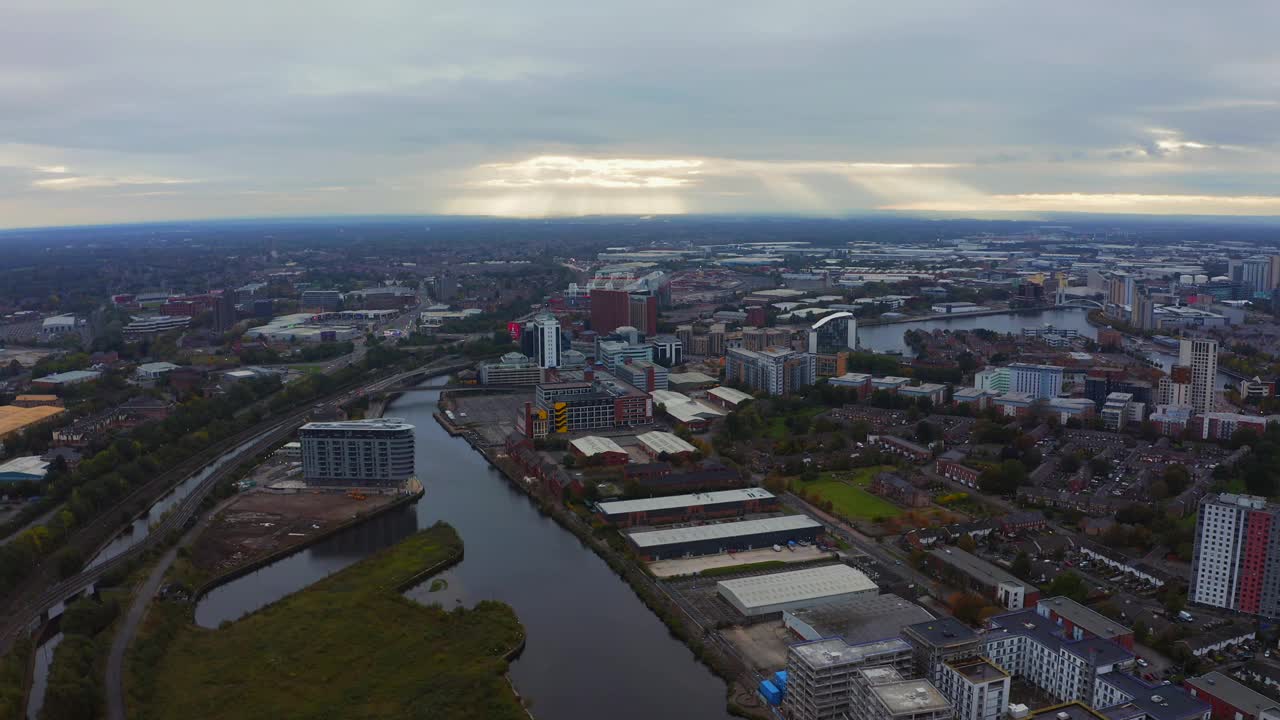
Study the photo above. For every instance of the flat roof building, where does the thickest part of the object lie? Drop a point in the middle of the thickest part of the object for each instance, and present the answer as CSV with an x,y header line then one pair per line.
x,y
680,508
882,693
63,379
728,397
724,537
774,593
858,619
357,452
1079,622
656,443
820,674
1229,698
15,419
599,447
992,581
30,468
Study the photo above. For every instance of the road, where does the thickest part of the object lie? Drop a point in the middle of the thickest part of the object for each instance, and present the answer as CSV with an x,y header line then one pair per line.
x,y
137,611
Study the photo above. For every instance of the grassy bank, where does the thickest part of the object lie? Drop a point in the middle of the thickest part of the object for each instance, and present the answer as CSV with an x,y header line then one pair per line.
x,y
349,646
845,492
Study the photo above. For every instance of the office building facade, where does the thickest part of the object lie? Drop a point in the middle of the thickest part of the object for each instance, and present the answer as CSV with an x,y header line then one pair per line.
x,y
1038,381
358,452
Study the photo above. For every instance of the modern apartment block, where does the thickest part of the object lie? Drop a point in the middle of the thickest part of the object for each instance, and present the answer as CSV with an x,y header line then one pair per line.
x,y
820,674
1038,381
1050,656
357,452
1201,355
837,332
776,370
977,688
937,641
1236,565
882,693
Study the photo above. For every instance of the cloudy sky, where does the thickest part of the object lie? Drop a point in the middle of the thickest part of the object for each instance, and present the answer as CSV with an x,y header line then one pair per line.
x,y
154,109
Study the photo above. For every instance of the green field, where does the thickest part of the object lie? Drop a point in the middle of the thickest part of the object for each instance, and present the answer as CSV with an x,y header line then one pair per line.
x,y
350,646
850,500
777,427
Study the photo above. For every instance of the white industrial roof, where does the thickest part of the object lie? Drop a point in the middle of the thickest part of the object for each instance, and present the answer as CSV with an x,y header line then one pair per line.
x,y
796,585
29,465
682,408
723,530
594,445
664,442
619,507
730,395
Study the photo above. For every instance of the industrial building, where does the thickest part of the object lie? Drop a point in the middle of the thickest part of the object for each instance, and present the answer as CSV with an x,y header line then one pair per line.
x,y
24,469
357,452
301,327
14,418
595,404
724,537
820,674
655,444
693,414
774,593
683,508
728,398
599,449
859,619
65,379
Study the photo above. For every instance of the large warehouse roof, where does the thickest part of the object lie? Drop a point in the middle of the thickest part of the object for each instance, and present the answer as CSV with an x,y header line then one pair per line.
x,y
733,396
14,418
622,507
662,442
594,445
723,530
786,587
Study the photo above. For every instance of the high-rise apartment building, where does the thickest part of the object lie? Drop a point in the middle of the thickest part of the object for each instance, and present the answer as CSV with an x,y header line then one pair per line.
x,y
1038,381
1201,355
357,452
1236,563
224,311
643,313
546,329
1175,388
775,370
1255,273
715,340
837,332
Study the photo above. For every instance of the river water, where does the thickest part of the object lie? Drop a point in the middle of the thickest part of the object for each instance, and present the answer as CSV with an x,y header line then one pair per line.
x,y
888,338
593,647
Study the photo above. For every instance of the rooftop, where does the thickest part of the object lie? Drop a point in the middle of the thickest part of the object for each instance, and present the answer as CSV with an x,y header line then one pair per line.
x,y
70,376
1157,702
371,424
14,418
731,395
978,669
1083,617
974,566
664,442
832,652
28,465
671,502
863,618
796,585
1074,710
594,445
910,697
1232,692
943,631
653,538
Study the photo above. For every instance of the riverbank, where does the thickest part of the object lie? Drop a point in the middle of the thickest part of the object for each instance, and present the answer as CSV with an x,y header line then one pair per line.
x,y
350,641
252,564
741,698
951,316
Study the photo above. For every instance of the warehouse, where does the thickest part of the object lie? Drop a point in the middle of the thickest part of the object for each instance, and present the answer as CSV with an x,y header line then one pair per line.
x,y
724,537
768,594
656,444
14,418
683,508
599,449
864,618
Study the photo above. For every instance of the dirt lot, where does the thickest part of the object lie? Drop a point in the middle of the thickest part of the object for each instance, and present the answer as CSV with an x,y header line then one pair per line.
x,y
764,645
260,522
689,566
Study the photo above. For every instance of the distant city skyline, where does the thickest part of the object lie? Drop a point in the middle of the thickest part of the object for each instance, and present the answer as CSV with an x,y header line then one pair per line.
x,y
152,111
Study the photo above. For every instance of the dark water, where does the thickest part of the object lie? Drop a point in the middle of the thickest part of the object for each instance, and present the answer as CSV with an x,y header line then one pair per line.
x,y
593,647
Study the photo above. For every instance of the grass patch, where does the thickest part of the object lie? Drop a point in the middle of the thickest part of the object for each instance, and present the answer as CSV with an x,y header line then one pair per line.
x,y
350,644
438,584
734,569
847,496
861,477
777,427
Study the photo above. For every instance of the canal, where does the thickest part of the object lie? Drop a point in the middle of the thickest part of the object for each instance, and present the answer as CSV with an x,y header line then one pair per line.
x,y
593,647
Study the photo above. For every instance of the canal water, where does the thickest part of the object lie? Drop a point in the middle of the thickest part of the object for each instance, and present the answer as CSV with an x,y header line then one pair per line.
x,y
592,648
137,531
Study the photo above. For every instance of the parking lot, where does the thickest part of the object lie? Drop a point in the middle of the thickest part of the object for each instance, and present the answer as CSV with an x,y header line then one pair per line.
x,y
492,417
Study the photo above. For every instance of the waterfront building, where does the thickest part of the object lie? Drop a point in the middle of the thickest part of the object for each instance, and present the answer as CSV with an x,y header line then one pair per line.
x,y
512,369
820,674
723,537
1236,559
834,333
357,452
1201,355
684,508
597,404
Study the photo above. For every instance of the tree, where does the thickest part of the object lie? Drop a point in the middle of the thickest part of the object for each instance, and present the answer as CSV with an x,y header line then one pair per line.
x,y
1021,567
967,607
1176,479
967,543
1069,585
924,432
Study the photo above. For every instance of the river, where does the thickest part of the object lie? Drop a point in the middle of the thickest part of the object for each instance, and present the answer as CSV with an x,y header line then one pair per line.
x,y
592,647
888,338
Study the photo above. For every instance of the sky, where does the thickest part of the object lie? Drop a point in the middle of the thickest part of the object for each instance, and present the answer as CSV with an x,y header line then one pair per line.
x,y
138,110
